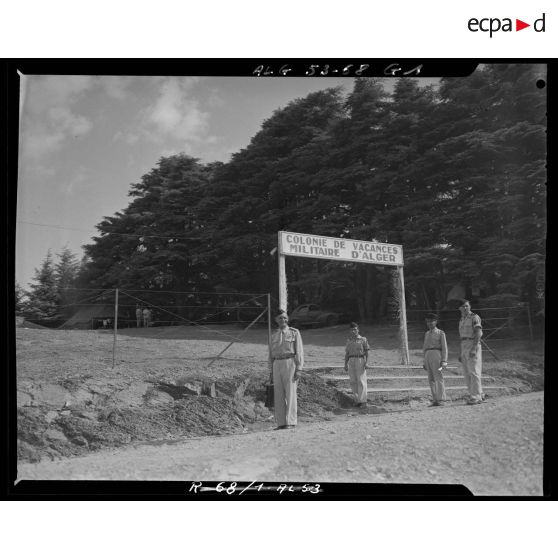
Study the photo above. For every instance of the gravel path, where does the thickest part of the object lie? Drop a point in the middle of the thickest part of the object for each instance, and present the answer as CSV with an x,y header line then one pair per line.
x,y
493,449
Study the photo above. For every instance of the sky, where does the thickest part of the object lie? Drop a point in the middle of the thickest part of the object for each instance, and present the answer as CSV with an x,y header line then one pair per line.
x,y
85,139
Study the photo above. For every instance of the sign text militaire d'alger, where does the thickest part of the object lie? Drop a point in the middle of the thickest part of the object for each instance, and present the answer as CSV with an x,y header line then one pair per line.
x,y
343,249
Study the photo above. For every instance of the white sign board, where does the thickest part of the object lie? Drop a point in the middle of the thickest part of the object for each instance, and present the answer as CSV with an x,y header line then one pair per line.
x,y
343,249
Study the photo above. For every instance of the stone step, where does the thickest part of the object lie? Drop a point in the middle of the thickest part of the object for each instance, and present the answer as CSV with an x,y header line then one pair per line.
x,y
317,366
385,371
406,381
399,378
427,389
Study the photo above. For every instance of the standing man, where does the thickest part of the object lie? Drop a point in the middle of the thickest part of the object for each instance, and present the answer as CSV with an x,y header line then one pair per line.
x,y
356,358
146,316
435,351
470,332
287,355
139,315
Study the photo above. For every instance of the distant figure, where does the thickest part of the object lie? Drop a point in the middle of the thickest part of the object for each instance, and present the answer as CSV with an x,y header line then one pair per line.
x,y
356,358
146,317
470,332
435,351
139,315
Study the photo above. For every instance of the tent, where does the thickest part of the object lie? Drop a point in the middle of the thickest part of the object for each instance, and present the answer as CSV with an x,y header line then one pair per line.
x,y
91,316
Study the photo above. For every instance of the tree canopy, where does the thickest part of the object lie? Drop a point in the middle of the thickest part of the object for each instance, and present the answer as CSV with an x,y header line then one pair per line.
x,y
454,173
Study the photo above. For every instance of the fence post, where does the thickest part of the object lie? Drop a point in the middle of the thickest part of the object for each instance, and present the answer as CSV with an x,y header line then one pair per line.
x,y
269,336
529,320
115,326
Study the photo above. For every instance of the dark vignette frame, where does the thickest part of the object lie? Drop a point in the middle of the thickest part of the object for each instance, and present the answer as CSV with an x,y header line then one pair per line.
x,y
158,490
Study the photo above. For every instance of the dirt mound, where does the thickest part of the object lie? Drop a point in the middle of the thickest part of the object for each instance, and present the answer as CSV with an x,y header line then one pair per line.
x,y
530,373
168,411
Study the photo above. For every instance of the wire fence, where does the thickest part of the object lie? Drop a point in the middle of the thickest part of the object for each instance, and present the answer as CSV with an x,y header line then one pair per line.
x,y
153,312
96,309
212,313
498,323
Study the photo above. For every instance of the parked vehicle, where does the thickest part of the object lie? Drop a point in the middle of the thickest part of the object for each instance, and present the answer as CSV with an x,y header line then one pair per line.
x,y
311,315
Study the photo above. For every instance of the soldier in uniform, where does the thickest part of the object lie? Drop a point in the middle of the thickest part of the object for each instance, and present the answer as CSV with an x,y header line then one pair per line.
x,y
470,333
356,358
139,315
435,350
287,354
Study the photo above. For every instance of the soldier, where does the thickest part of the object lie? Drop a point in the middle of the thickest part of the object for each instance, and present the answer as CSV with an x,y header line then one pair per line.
x,y
470,332
435,351
139,315
356,358
287,354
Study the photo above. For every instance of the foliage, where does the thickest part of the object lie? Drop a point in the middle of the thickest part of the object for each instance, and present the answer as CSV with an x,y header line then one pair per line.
x,y
43,296
20,298
455,173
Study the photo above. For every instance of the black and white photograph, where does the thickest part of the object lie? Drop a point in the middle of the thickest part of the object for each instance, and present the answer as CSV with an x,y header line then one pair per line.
x,y
292,278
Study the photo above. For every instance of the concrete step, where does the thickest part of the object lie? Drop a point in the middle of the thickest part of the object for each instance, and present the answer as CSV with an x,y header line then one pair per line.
x,y
455,391
419,388
406,381
372,378
372,367
384,371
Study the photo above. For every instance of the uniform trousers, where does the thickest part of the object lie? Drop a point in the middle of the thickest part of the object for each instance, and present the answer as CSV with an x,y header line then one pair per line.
x,y
433,361
357,375
472,367
285,391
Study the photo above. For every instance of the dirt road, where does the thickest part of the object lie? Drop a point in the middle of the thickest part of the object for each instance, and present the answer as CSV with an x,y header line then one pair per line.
x,y
493,449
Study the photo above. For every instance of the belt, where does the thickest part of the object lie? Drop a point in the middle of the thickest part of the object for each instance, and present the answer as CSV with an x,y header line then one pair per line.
x,y
283,357
433,349
356,356
467,338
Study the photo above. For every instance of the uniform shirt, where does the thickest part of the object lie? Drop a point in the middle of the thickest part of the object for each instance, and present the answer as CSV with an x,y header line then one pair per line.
x,y
436,339
138,312
468,324
356,347
287,342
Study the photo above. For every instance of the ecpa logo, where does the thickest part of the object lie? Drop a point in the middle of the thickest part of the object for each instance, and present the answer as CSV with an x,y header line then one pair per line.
x,y
494,24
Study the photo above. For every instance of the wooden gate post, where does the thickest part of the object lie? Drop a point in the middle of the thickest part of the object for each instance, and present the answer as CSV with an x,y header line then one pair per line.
x,y
269,334
115,327
282,277
403,317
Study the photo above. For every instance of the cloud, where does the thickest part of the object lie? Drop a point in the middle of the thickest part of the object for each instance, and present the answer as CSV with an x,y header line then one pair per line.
x,y
79,181
46,92
68,122
176,113
127,137
214,99
48,135
116,87
48,119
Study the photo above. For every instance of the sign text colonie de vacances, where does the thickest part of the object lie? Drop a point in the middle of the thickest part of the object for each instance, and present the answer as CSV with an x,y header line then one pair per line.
x,y
312,246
